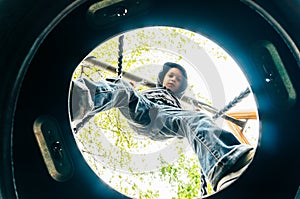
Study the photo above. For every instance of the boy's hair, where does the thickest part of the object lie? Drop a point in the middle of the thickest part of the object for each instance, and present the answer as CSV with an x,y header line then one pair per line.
x,y
166,67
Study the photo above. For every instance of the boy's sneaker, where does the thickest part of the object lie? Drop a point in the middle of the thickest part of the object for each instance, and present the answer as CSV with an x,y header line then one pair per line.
x,y
235,171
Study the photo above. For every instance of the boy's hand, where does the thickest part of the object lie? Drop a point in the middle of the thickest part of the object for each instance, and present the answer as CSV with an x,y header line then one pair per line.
x,y
197,109
133,84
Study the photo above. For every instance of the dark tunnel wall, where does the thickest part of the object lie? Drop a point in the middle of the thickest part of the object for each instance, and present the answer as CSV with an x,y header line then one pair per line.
x,y
42,41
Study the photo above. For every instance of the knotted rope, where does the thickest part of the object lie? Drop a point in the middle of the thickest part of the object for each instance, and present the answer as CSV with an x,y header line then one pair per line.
x,y
231,104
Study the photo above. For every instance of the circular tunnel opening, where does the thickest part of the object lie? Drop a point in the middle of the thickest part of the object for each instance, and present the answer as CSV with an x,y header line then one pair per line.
x,y
134,164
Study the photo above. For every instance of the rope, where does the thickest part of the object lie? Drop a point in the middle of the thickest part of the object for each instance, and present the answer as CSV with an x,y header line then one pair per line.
x,y
120,59
231,104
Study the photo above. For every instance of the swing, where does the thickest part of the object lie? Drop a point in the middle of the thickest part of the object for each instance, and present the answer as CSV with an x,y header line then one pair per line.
x,y
234,119
91,60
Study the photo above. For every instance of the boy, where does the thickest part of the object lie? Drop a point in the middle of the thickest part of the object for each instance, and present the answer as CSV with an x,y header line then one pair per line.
x,y
157,113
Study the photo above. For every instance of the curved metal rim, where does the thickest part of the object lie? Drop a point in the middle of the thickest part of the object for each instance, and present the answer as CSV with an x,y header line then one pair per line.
x,y
277,27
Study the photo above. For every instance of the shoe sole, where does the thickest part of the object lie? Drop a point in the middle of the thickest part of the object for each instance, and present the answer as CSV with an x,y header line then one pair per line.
x,y
239,168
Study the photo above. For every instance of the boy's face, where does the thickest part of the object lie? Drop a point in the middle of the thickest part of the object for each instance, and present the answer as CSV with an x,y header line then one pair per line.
x,y
173,79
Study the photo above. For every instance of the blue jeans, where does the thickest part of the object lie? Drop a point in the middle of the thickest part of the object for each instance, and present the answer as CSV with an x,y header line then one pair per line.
x,y
217,149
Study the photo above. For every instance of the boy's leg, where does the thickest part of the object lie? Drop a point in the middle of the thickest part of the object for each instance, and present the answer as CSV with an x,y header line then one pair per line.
x,y
219,152
90,98
81,102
